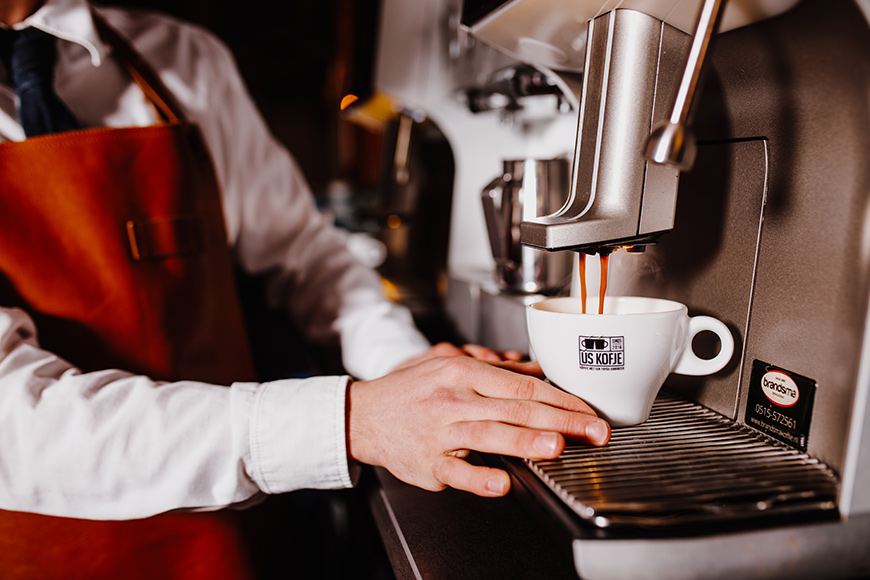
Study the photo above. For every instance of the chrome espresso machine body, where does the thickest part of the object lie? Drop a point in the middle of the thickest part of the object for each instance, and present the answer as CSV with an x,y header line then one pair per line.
x,y
756,212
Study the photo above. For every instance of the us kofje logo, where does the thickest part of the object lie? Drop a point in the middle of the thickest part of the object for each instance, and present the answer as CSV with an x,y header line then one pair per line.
x,y
602,353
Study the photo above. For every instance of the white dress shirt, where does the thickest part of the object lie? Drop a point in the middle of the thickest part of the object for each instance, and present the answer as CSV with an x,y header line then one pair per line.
x,y
111,445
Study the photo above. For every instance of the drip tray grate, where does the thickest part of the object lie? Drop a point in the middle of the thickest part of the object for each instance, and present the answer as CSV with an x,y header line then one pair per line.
x,y
687,465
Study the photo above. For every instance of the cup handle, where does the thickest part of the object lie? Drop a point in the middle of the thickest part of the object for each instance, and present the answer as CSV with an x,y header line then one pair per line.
x,y
692,364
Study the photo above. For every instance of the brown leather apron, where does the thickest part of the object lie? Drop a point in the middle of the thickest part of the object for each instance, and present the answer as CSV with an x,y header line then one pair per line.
x,y
113,240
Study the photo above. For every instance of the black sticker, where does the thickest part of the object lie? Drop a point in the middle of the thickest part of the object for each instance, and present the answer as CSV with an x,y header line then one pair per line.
x,y
602,353
780,403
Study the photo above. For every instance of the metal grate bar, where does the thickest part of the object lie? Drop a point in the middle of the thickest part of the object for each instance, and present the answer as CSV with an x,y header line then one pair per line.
x,y
686,465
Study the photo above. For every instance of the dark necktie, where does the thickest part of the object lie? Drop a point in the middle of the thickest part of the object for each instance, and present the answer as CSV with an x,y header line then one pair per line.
x,y
29,56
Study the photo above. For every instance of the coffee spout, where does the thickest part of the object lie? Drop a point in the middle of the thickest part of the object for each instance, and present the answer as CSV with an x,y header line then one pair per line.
x,y
617,197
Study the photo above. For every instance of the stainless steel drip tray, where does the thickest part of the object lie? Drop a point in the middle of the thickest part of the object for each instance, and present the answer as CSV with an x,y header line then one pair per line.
x,y
686,465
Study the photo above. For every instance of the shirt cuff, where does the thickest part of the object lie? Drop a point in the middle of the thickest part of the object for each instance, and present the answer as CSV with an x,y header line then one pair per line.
x,y
297,434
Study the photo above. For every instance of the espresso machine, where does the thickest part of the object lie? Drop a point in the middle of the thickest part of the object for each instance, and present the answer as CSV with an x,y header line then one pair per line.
x,y
726,145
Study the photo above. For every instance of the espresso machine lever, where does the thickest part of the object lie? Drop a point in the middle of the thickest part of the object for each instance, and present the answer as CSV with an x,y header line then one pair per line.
x,y
672,141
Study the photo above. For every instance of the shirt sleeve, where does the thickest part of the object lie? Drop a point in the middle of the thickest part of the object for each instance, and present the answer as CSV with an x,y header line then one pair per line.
x,y
278,231
112,445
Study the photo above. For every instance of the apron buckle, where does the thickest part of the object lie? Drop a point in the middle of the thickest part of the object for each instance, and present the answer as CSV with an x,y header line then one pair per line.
x,y
167,237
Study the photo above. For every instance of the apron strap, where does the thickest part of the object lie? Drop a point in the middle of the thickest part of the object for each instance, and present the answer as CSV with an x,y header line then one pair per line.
x,y
141,72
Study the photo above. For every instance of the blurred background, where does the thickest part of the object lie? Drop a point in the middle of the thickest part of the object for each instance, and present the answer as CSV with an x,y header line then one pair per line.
x,y
298,63
294,62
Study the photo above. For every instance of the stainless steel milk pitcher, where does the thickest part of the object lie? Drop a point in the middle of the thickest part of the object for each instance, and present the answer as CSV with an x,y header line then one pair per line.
x,y
527,188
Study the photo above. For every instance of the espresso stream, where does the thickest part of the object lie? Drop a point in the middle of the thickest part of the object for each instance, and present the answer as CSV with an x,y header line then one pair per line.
x,y
602,289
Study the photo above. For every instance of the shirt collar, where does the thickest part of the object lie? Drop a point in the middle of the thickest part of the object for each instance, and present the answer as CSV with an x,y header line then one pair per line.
x,y
69,20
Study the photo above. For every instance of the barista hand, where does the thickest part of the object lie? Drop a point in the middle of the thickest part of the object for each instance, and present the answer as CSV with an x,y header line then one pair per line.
x,y
420,422
473,350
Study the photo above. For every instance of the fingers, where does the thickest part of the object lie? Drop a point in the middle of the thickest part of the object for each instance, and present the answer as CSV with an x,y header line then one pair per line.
x,y
527,402
418,420
446,349
482,353
489,355
512,355
442,349
483,481
532,368
517,399
503,439
517,385
476,351
519,425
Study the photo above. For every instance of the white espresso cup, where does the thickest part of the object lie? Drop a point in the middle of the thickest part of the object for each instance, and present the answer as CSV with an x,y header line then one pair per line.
x,y
617,361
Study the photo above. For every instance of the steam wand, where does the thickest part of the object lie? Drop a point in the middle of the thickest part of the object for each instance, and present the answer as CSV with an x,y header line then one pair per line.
x,y
672,141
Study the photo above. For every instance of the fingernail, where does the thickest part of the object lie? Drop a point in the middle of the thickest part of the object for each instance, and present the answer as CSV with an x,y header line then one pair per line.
x,y
546,443
495,485
597,432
